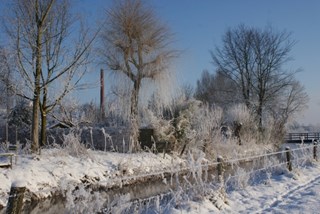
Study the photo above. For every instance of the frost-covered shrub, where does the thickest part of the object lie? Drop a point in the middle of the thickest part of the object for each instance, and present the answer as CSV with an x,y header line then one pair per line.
x,y
192,125
273,133
174,127
73,146
163,128
242,178
207,122
195,161
198,124
182,122
241,115
89,113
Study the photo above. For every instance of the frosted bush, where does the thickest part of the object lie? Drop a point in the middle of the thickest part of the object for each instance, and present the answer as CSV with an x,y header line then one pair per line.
x,y
163,129
273,133
228,148
27,148
249,133
240,180
73,146
176,127
195,125
184,131
199,125
194,161
189,124
207,121
240,113
303,156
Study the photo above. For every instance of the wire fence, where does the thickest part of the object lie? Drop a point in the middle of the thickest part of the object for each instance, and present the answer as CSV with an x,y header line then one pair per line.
x,y
297,155
237,173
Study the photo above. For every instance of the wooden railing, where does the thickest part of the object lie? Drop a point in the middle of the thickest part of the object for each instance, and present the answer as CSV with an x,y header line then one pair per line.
x,y
9,156
6,158
298,137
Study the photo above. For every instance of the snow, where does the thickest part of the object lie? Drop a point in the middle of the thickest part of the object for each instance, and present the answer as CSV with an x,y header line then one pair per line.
x,y
55,170
296,192
279,192
19,183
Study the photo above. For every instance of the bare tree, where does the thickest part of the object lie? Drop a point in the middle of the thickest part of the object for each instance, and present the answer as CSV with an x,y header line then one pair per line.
x,y
64,63
254,59
205,86
187,90
7,83
40,31
26,28
135,45
217,90
283,108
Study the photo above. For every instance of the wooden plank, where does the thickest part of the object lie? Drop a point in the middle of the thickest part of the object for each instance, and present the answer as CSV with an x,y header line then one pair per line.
x,y
8,155
5,165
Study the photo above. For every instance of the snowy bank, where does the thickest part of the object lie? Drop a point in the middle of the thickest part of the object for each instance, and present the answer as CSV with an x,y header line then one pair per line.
x,y
86,179
55,170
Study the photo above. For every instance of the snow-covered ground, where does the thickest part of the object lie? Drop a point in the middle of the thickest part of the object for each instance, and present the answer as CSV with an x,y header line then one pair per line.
x,y
294,192
55,169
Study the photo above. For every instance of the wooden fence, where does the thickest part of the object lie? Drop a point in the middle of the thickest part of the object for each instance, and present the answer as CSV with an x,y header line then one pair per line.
x,y
299,137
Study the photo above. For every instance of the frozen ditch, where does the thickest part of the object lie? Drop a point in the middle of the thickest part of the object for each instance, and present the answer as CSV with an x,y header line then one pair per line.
x,y
154,192
136,191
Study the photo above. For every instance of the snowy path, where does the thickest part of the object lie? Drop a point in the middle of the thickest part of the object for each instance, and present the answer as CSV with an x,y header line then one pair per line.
x,y
302,199
296,192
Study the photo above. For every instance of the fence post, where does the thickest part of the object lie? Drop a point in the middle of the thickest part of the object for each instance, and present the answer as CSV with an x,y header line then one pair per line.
x,y
315,145
220,169
16,195
288,155
7,132
16,134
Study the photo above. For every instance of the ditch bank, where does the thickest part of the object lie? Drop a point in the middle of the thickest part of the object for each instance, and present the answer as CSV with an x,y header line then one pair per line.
x,y
91,191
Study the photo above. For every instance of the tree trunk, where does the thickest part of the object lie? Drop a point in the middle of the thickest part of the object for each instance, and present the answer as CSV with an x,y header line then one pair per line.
x,y
36,95
35,120
43,135
102,106
134,116
43,111
259,115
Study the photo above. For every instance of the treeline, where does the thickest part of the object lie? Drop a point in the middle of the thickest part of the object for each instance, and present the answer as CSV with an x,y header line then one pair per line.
x,y
50,50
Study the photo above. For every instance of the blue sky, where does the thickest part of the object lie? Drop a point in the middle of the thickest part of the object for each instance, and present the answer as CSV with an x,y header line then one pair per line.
x,y
199,25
